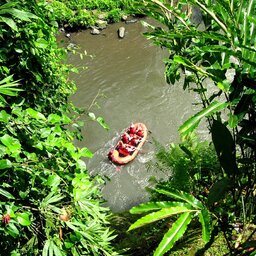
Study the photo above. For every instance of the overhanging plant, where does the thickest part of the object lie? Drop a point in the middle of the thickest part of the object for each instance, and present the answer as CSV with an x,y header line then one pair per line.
x,y
186,205
215,50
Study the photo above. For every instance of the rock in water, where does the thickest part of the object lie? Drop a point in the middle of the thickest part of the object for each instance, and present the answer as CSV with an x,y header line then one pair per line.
x,y
95,31
121,32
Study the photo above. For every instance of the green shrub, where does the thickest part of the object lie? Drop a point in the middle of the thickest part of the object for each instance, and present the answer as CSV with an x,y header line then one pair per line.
x,y
82,18
49,205
114,15
61,12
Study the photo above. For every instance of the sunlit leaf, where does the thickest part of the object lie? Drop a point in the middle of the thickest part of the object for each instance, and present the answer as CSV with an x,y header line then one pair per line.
x,y
102,122
35,114
174,234
10,22
205,219
150,206
161,214
193,121
6,194
23,219
181,195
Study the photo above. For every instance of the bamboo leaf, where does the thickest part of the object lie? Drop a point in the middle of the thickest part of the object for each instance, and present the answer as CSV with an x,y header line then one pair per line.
x,y
205,219
174,234
181,195
161,214
151,206
193,121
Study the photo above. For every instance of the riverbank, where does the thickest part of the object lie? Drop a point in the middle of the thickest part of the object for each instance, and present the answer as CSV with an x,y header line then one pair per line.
x,y
84,14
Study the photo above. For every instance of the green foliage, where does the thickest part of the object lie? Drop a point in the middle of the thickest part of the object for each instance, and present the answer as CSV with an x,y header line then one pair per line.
x,y
49,205
212,44
193,165
114,15
84,13
188,210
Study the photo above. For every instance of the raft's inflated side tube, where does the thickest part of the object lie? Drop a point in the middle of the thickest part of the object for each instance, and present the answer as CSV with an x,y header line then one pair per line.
x,y
116,158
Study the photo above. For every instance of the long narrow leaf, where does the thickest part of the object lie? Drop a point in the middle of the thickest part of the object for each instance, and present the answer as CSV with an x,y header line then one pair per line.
x,y
151,206
181,195
6,194
162,214
205,219
193,122
174,234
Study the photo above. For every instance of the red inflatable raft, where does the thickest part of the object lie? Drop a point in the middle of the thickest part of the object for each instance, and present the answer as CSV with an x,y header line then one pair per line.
x,y
129,144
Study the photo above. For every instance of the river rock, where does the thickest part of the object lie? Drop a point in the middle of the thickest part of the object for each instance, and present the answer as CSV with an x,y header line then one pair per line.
x,y
101,24
102,16
124,17
95,31
131,21
121,32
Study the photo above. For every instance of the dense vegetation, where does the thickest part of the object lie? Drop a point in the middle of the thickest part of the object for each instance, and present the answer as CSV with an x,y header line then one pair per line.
x,y
48,203
215,51
86,13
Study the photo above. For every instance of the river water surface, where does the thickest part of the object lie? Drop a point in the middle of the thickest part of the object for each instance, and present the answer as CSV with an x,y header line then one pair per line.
x,y
125,78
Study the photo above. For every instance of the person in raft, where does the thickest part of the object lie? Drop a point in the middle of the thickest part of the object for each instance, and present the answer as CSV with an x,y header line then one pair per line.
x,y
125,149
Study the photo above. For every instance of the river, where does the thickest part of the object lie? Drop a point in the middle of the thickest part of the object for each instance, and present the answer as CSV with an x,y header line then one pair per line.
x,y
123,82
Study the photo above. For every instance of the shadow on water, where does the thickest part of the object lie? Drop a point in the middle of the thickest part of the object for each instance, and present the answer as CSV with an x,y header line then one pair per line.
x,y
129,74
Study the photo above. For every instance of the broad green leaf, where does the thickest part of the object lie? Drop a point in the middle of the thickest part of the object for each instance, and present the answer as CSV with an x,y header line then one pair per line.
x,y
205,219
174,234
41,43
161,214
12,230
233,121
151,206
23,219
6,194
181,195
5,163
218,190
10,22
37,115
53,181
54,118
22,15
102,122
193,121
11,143
4,117
85,152
225,148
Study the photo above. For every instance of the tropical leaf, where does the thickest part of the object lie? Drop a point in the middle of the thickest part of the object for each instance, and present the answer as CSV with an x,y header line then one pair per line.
x,y
10,22
181,195
161,214
151,206
194,121
225,148
205,219
6,194
174,234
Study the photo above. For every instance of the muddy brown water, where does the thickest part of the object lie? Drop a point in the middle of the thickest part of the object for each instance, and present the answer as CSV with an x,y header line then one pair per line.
x,y
124,82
